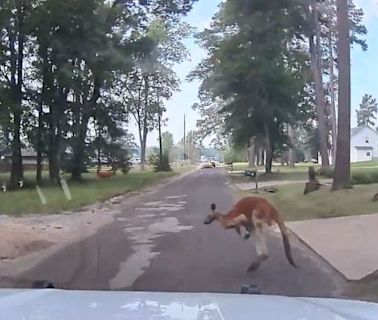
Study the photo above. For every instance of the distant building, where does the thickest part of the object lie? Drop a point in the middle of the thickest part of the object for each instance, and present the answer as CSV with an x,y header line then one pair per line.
x,y
363,144
29,159
135,152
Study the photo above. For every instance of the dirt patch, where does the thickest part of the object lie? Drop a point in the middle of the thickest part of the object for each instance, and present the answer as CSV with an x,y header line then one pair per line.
x,y
23,236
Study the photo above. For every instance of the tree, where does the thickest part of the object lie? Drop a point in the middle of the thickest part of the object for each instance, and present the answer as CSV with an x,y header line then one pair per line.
x,y
60,69
13,32
366,115
260,82
342,178
193,147
314,38
152,80
358,30
321,34
167,138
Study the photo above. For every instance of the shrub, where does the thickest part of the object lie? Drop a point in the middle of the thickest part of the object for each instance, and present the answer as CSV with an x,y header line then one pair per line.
x,y
160,166
364,178
326,172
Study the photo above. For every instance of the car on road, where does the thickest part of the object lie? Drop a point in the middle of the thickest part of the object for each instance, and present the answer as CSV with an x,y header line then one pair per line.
x,y
207,165
44,304
135,161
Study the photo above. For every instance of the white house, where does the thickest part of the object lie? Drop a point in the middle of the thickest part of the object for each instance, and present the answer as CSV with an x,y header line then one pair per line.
x,y
363,144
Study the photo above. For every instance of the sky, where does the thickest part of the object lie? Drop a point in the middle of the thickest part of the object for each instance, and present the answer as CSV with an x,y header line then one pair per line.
x,y
364,70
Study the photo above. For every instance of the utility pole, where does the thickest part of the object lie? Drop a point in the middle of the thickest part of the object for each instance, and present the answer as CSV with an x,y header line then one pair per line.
x,y
184,138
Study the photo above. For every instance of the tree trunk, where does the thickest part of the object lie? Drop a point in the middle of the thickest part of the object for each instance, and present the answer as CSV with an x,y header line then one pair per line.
x,y
98,160
291,135
53,150
160,143
39,143
262,156
341,178
56,114
269,150
144,146
258,156
333,98
315,52
79,150
252,153
145,128
40,119
16,89
87,112
98,135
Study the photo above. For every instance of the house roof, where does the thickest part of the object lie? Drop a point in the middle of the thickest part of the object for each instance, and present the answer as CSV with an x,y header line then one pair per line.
x,y
26,152
355,130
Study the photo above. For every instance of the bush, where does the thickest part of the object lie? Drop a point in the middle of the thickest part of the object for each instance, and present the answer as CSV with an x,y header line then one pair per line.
x,y
365,178
154,159
126,169
326,172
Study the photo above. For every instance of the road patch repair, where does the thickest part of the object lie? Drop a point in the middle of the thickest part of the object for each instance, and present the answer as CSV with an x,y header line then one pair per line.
x,y
143,232
349,244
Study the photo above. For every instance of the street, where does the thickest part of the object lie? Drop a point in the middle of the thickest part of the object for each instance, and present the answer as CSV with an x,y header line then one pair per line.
x,y
159,243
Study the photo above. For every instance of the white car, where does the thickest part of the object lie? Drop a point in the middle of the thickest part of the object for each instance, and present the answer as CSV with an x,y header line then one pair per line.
x,y
135,161
48,304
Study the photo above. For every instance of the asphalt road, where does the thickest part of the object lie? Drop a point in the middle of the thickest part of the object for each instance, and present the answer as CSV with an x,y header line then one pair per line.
x,y
159,243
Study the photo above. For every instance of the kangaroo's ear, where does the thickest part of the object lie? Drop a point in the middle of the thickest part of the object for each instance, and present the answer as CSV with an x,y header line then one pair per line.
x,y
213,207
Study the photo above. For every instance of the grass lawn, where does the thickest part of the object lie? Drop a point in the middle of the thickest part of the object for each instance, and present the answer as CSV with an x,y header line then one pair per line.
x,y
323,203
299,172
85,193
303,167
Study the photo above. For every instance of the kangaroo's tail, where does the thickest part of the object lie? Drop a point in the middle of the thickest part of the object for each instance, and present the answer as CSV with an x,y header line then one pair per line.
x,y
285,238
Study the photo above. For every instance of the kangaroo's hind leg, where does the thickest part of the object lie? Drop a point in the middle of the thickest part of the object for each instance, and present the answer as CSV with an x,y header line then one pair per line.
x,y
261,247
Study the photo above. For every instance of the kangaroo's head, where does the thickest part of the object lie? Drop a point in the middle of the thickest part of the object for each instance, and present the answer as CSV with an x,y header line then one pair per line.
x,y
213,215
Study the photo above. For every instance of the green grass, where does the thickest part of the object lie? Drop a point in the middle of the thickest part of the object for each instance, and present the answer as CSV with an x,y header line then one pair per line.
x,y
299,167
362,172
89,191
288,176
366,164
183,169
323,203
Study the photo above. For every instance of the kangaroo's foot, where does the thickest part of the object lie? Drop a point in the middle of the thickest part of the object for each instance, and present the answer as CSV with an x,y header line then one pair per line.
x,y
256,264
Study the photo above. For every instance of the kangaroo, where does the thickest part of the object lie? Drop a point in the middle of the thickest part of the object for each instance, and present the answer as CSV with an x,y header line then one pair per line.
x,y
254,214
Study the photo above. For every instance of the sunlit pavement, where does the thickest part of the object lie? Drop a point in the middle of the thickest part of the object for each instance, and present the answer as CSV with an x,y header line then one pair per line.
x,y
347,243
159,243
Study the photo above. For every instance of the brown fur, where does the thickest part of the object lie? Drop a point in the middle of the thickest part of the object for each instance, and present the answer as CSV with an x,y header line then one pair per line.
x,y
254,212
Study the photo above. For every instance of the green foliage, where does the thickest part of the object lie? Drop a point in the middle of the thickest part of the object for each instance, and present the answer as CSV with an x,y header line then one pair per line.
x,y
235,154
78,75
160,165
358,176
367,112
326,172
167,140
361,177
255,70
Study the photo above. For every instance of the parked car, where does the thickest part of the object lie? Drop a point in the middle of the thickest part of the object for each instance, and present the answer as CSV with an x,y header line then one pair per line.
x,y
135,161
